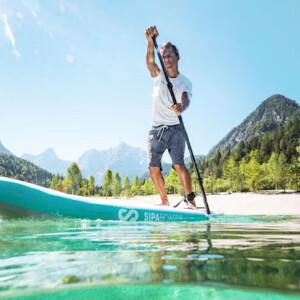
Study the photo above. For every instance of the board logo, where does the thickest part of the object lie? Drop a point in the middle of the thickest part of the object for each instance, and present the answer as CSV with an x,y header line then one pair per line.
x,y
128,215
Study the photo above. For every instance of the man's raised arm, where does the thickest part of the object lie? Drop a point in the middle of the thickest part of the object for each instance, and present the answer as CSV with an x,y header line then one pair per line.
x,y
150,55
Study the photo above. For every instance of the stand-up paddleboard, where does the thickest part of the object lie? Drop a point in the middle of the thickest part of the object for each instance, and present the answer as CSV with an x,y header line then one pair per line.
x,y
19,199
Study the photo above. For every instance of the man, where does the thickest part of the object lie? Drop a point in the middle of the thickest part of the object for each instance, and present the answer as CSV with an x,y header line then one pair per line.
x,y
166,132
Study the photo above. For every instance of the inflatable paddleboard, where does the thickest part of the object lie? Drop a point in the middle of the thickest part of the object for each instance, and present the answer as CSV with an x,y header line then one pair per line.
x,y
20,199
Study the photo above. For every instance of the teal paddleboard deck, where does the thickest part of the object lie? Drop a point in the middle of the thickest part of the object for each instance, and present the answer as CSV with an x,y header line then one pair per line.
x,y
20,199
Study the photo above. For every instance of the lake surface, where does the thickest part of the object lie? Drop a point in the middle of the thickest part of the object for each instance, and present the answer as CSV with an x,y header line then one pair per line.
x,y
227,258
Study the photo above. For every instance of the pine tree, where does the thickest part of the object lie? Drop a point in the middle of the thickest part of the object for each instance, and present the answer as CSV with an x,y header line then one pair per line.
x,y
91,185
108,180
195,185
265,179
265,149
274,172
294,174
3,172
253,173
117,185
283,170
209,184
242,174
67,185
84,190
146,188
298,150
172,182
231,171
240,150
135,188
126,187
74,174
55,181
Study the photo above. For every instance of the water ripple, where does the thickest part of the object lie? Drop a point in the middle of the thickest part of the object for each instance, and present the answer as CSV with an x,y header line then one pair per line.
x,y
51,254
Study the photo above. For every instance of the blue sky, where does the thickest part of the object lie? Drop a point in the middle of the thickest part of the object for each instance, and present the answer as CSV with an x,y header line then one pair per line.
x,y
73,74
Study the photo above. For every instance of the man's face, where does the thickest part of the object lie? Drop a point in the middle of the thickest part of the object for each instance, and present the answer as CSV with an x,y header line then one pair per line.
x,y
170,59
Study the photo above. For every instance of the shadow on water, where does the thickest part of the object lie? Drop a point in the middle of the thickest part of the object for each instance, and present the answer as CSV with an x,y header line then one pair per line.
x,y
249,254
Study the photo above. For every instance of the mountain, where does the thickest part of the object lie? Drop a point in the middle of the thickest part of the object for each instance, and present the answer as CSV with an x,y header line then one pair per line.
x,y
125,159
4,150
49,161
275,110
188,159
18,168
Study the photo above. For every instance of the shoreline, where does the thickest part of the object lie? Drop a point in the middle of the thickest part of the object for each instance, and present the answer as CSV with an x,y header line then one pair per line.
x,y
250,203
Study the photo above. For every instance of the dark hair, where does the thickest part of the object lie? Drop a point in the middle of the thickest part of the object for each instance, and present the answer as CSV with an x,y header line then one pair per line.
x,y
168,45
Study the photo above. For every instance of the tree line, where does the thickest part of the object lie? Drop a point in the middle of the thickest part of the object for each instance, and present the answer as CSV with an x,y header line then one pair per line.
x,y
271,161
75,184
268,162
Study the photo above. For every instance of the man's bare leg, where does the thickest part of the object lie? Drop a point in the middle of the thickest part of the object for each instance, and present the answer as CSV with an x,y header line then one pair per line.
x,y
159,183
186,181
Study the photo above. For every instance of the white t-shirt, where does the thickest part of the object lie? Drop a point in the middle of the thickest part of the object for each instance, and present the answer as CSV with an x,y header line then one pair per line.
x,y
162,113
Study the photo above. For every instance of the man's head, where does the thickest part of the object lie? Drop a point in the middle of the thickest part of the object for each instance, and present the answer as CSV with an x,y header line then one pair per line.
x,y
169,46
170,55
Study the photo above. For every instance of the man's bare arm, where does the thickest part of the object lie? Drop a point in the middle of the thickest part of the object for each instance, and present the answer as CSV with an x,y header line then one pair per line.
x,y
150,55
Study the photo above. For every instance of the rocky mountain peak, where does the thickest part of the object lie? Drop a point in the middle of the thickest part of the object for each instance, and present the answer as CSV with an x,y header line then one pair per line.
x,y
273,111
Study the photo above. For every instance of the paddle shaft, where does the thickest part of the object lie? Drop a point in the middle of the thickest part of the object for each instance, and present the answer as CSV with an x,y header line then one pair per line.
x,y
170,87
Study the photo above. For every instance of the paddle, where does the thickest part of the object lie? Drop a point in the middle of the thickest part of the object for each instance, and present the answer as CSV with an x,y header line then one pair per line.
x,y
170,87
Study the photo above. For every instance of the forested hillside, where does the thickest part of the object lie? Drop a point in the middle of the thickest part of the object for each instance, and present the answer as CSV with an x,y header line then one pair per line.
x,y
17,168
267,162
276,110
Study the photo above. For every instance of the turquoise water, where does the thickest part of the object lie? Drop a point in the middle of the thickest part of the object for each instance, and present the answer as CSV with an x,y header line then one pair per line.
x,y
226,258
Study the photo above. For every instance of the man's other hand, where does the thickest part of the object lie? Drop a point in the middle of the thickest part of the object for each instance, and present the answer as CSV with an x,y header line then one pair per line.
x,y
178,108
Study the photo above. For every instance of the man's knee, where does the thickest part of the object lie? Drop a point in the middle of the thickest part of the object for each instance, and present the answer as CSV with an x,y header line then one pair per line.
x,y
180,168
154,171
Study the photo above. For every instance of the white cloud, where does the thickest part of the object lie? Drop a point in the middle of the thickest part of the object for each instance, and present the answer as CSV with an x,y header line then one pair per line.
x,y
8,31
10,36
61,8
70,58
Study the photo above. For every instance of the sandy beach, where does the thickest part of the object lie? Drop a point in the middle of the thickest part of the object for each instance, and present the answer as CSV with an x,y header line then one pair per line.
x,y
260,203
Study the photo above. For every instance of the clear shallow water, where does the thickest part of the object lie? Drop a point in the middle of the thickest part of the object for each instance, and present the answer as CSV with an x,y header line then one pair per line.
x,y
229,257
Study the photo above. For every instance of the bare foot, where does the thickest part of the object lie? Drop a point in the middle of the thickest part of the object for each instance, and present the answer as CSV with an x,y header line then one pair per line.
x,y
192,204
165,202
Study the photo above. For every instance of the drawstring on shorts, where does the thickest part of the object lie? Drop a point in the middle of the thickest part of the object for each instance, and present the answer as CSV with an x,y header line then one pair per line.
x,y
161,131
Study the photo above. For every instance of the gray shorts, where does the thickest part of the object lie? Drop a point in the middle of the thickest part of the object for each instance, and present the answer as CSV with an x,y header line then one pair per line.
x,y
162,138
